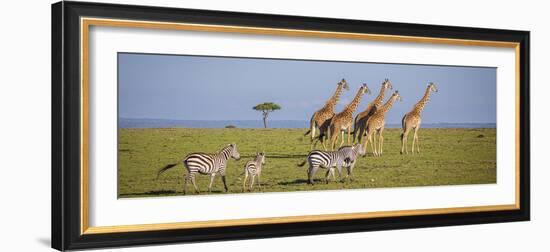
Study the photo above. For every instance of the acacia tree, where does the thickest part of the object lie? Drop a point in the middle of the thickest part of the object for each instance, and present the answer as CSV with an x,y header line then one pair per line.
x,y
266,108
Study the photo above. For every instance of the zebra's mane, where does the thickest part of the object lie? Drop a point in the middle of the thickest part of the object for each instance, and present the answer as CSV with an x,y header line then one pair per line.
x,y
226,148
225,151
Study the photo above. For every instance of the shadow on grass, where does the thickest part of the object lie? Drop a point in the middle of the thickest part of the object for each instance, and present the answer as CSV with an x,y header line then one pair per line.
x,y
286,156
151,193
276,156
167,193
301,181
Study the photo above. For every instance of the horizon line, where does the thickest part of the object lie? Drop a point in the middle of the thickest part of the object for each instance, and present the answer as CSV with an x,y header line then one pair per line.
x,y
272,120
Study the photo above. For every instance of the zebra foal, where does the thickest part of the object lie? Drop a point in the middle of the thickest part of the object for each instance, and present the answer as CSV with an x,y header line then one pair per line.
x,y
253,168
345,157
206,164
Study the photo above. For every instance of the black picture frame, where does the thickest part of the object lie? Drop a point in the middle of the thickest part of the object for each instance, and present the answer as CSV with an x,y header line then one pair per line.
x,y
66,155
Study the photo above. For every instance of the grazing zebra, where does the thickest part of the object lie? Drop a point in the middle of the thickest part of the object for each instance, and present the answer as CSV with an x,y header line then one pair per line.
x,y
343,157
206,164
254,168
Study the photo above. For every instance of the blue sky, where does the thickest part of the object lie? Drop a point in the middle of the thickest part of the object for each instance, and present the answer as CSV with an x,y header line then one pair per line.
x,y
222,88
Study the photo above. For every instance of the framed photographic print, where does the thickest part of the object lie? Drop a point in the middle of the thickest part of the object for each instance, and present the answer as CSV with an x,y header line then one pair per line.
x,y
179,125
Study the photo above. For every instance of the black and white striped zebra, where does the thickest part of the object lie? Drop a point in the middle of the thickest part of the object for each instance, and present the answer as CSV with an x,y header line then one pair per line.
x,y
345,157
206,164
253,168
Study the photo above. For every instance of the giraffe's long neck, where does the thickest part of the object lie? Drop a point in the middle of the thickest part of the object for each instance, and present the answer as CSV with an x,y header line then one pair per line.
x,y
387,106
422,103
380,98
331,103
350,108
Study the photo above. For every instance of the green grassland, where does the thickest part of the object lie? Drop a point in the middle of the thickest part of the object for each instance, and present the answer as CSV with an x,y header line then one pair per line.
x,y
448,157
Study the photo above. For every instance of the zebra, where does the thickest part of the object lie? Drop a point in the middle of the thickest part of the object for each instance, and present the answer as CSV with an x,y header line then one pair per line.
x,y
254,168
206,164
346,157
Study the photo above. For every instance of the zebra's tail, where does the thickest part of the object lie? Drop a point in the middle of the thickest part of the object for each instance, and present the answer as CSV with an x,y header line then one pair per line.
x,y
165,168
302,164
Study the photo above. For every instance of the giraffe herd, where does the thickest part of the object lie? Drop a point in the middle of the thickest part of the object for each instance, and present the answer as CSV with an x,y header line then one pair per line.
x,y
369,123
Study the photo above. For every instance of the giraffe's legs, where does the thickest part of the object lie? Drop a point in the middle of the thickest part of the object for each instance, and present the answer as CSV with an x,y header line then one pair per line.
x,y
349,135
374,134
333,136
343,133
355,131
378,147
381,140
378,150
313,131
363,134
319,139
324,135
374,146
362,129
368,139
355,138
416,138
404,137
313,140
365,144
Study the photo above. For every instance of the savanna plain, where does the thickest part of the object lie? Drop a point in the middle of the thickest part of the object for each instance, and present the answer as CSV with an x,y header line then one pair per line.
x,y
447,157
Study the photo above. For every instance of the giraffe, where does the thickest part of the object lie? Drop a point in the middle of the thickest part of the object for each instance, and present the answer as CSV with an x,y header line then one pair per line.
x,y
343,121
321,118
376,123
360,122
412,120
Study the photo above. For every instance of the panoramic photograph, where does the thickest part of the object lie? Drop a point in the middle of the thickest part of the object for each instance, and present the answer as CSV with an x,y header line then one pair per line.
x,y
211,125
